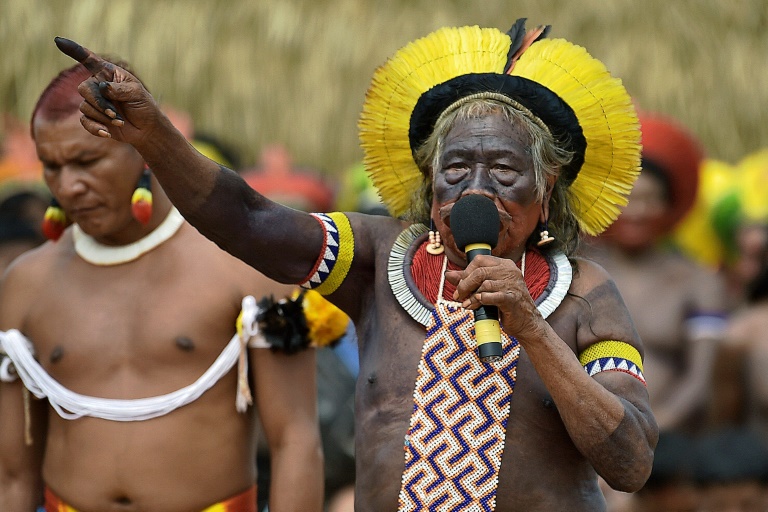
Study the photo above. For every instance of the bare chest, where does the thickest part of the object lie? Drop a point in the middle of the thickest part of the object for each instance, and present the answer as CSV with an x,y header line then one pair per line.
x,y
123,329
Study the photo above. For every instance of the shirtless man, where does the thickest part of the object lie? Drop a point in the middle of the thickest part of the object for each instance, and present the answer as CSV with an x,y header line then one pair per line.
x,y
743,399
436,427
124,310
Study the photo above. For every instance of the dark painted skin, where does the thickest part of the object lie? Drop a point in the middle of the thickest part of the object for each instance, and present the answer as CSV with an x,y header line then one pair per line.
x,y
565,427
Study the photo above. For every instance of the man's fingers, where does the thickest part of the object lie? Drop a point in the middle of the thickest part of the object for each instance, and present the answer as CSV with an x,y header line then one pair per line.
x,y
95,64
107,106
72,49
95,128
95,114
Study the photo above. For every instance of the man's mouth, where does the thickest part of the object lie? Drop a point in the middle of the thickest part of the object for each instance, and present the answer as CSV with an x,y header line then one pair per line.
x,y
445,215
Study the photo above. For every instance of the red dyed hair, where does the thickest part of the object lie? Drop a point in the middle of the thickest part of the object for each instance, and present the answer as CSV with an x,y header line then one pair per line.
x,y
672,147
60,98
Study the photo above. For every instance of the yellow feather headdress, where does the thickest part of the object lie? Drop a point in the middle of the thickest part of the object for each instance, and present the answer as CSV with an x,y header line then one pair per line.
x,y
561,85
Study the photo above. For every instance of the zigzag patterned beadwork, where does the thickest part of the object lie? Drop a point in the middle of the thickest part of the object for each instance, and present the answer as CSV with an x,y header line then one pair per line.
x,y
456,438
330,253
616,364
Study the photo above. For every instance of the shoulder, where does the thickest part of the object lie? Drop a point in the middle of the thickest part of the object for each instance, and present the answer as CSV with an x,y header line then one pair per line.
x,y
375,227
587,275
219,271
27,277
603,314
39,261
373,235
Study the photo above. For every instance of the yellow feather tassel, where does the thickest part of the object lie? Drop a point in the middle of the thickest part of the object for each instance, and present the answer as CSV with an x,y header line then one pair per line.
x,y
607,117
396,87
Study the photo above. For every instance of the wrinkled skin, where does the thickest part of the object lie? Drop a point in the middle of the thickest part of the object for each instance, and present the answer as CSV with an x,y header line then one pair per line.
x,y
565,427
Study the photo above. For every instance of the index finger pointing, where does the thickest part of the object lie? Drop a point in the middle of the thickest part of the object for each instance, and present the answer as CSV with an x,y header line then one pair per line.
x,y
86,57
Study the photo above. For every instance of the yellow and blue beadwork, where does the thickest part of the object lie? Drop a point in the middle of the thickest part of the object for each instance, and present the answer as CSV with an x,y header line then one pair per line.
x,y
335,258
617,356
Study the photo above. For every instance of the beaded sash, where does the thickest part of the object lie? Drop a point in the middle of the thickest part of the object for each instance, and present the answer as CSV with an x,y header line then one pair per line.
x,y
456,437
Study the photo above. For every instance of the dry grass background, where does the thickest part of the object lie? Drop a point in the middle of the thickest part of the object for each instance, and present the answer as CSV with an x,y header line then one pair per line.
x,y
295,71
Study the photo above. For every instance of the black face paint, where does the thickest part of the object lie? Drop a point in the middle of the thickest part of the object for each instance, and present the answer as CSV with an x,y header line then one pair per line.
x,y
486,156
489,156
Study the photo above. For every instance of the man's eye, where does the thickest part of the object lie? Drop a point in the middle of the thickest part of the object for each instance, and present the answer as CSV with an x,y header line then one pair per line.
x,y
505,175
454,174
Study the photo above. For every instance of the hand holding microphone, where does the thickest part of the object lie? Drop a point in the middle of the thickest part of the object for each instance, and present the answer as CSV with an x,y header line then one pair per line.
x,y
475,227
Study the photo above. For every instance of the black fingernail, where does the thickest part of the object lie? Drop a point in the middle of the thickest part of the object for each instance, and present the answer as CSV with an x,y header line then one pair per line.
x,y
71,48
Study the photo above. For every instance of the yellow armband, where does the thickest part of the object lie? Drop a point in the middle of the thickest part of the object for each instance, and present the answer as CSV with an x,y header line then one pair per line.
x,y
335,258
616,356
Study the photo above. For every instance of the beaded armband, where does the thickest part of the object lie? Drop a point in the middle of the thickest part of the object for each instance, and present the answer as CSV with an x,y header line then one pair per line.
x,y
617,356
335,258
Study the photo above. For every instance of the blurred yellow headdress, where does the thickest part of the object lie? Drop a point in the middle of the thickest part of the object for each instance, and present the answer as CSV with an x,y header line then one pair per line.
x,y
556,82
728,197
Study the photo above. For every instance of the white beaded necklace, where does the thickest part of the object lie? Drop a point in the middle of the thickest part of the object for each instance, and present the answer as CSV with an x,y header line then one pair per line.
x,y
105,255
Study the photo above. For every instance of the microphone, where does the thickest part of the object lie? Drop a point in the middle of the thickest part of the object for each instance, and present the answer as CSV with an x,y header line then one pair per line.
x,y
475,226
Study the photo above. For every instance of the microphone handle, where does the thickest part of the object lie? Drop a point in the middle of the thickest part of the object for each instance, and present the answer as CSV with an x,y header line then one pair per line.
x,y
487,328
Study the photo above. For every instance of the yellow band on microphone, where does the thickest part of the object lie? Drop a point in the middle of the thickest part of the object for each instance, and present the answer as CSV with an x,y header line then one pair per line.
x,y
472,247
487,331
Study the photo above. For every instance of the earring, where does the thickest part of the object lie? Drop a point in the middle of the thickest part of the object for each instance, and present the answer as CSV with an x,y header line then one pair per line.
x,y
435,245
141,201
544,234
54,221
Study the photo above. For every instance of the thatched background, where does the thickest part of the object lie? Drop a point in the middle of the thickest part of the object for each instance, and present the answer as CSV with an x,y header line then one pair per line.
x,y
296,71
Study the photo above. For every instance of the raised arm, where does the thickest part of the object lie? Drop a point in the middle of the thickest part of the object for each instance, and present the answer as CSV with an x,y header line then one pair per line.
x,y
280,242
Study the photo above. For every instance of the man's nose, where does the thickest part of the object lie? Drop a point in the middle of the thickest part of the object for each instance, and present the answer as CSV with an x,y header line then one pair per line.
x,y
71,181
481,182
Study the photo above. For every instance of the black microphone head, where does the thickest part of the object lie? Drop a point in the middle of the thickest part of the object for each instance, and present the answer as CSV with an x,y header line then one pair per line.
x,y
475,220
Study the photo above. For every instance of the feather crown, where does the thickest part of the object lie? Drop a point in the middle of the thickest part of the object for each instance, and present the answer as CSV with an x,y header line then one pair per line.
x,y
558,83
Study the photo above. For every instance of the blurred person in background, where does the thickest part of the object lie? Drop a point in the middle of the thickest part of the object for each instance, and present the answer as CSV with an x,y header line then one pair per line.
x,y
18,160
741,397
22,210
134,332
17,236
677,305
